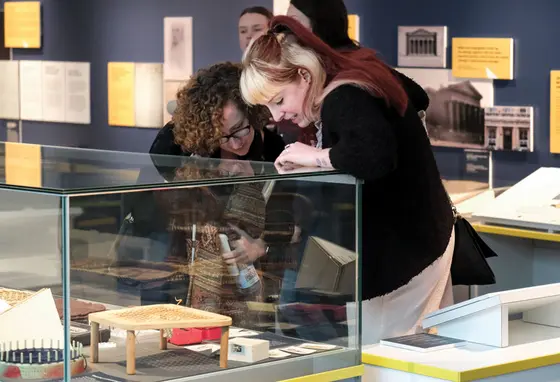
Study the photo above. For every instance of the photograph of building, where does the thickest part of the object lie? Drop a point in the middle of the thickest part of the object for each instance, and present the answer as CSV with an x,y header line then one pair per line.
x,y
422,46
455,117
509,128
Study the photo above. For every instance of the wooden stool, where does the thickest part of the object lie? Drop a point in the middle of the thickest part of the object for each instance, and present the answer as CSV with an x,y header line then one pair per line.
x,y
156,317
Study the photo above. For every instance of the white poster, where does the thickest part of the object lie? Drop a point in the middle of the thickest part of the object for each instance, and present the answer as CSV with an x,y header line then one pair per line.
x,y
9,89
31,90
149,95
77,97
280,7
177,48
53,91
170,89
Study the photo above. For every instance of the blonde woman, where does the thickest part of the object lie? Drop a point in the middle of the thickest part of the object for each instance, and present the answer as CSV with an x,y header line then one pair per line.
x,y
369,129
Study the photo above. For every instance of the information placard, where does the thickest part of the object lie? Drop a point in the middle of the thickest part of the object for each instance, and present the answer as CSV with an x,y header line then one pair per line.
x,y
22,24
555,111
482,58
121,81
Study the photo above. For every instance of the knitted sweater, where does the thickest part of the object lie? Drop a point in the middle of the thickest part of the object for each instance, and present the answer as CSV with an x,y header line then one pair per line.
x,y
406,216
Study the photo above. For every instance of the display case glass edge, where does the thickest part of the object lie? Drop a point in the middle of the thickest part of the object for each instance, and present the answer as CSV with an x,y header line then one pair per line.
x,y
76,231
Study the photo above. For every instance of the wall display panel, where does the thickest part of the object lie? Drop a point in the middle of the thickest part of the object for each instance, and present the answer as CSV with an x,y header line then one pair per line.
x,y
135,94
455,117
555,111
55,91
482,58
31,90
508,128
9,89
178,48
422,46
120,77
170,89
53,87
77,92
148,94
22,24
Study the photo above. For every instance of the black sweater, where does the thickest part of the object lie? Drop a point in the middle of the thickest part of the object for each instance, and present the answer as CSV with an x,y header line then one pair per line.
x,y
406,216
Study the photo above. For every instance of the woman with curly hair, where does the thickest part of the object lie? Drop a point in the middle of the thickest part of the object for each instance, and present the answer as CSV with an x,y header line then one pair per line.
x,y
211,120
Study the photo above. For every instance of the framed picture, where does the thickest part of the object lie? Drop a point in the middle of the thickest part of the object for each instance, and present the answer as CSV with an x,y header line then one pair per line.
x,y
178,48
422,46
455,117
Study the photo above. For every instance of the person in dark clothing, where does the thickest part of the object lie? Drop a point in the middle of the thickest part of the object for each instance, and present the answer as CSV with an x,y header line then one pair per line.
x,y
371,130
328,19
211,120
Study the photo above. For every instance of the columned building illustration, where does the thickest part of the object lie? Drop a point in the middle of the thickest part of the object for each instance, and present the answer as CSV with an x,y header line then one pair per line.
x,y
421,43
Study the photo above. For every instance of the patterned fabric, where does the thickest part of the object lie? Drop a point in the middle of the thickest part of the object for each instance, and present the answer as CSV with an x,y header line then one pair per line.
x,y
212,287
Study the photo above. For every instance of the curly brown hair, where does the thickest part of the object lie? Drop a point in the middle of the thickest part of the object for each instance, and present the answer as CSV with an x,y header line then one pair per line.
x,y
198,117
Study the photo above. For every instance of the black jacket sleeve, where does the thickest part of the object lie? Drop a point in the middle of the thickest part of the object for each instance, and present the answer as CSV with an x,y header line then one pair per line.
x,y
356,124
416,94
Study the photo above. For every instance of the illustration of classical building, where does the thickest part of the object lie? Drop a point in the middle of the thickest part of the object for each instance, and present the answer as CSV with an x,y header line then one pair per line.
x,y
509,128
422,46
455,115
421,43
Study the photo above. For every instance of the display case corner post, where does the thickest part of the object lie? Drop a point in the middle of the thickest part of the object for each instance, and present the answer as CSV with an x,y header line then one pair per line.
x,y
65,249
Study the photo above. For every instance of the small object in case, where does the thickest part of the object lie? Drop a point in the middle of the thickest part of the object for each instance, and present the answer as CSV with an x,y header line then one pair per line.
x,y
248,349
192,336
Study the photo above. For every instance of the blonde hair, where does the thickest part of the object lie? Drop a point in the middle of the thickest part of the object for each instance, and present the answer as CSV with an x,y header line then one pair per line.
x,y
276,59
262,80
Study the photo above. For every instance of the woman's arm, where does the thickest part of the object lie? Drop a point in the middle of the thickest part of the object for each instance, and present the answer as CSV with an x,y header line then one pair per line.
x,y
364,143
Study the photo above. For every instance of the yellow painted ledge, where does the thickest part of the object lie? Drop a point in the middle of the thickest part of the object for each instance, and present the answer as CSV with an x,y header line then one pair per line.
x,y
461,376
332,375
516,232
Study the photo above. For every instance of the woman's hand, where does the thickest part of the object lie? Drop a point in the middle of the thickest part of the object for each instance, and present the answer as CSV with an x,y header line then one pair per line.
x,y
246,249
299,154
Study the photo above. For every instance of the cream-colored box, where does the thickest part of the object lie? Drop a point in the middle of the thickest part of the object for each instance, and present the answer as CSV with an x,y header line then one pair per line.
x,y
247,349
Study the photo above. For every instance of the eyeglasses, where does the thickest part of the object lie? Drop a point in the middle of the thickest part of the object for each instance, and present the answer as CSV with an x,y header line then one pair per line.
x,y
239,134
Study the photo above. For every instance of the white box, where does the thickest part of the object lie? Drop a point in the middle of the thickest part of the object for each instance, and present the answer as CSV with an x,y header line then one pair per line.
x,y
247,349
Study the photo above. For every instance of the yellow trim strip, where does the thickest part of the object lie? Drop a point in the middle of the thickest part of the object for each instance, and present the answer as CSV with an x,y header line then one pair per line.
x,y
511,367
411,367
332,375
516,232
461,376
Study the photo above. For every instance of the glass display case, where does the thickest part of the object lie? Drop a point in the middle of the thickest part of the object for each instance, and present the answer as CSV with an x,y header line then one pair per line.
x,y
126,266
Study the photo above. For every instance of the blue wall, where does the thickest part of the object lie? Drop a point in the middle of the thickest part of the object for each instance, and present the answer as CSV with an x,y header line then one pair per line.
x,y
535,28
99,31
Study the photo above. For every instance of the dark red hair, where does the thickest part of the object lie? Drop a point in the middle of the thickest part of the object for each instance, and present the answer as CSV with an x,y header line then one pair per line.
x,y
358,65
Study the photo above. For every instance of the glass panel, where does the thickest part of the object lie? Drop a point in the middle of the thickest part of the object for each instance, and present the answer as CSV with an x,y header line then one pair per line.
x,y
31,279
466,177
70,170
294,284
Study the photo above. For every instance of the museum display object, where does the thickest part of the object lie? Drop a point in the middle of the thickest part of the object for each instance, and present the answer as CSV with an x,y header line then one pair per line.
x,y
159,317
510,335
116,257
